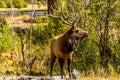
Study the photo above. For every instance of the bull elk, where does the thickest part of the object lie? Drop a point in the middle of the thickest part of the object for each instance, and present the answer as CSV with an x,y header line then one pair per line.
x,y
62,46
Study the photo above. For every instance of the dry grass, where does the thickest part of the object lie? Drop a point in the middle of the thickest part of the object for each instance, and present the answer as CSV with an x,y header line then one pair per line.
x,y
22,9
18,21
99,78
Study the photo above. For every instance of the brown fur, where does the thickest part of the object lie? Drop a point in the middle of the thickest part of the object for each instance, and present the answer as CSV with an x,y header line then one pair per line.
x,y
62,47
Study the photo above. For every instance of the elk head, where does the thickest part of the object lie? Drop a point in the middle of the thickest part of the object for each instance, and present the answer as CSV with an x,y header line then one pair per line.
x,y
78,32
76,35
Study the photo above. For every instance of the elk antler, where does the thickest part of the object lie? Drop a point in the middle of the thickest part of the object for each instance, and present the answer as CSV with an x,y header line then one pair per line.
x,y
66,17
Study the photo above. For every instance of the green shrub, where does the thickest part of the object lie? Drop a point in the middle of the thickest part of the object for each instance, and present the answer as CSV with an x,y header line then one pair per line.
x,y
2,4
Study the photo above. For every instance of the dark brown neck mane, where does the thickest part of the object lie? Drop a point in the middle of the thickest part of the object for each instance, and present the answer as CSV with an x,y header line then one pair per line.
x,y
67,47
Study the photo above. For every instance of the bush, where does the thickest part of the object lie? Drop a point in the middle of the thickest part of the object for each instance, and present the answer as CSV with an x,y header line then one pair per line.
x,y
9,3
19,3
2,4
46,30
6,43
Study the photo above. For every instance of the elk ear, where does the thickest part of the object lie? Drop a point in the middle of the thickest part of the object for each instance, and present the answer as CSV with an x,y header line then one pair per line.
x,y
72,28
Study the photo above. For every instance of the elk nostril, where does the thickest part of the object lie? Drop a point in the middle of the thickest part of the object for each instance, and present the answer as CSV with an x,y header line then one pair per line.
x,y
86,34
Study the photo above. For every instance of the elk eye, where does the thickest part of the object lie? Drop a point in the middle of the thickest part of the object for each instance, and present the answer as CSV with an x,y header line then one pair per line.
x,y
76,31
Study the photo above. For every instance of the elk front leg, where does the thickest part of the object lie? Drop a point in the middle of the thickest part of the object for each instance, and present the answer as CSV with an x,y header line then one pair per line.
x,y
69,68
62,62
53,57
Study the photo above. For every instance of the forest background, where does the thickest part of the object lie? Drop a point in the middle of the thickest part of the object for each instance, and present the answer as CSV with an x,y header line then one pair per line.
x,y
27,53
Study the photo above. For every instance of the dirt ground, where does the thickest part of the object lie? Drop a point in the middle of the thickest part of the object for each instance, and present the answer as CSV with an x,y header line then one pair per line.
x,y
18,21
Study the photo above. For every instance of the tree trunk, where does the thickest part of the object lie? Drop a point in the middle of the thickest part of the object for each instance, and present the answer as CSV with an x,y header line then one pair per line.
x,y
22,49
52,5
105,50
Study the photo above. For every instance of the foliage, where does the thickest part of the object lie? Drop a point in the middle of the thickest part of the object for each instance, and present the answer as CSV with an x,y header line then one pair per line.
x,y
28,1
9,3
2,5
19,4
104,30
5,37
47,30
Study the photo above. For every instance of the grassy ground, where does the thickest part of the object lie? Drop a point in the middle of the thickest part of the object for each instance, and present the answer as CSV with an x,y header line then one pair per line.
x,y
99,78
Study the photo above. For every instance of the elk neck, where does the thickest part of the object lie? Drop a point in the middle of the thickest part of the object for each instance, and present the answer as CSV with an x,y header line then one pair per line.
x,y
66,47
